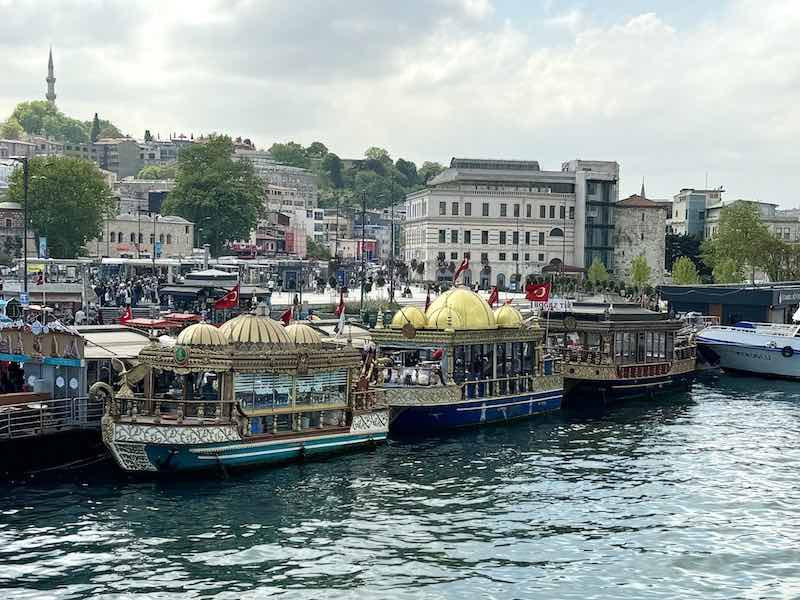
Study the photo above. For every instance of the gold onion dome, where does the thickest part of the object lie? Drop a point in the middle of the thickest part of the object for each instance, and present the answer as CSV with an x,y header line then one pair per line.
x,y
409,314
299,333
473,311
508,317
254,329
201,334
444,317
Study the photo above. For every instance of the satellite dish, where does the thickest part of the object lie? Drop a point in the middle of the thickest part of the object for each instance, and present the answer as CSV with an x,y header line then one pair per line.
x,y
409,331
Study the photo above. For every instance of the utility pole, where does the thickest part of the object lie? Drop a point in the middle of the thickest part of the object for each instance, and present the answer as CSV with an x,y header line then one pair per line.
x,y
363,247
25,184
391,253
564,239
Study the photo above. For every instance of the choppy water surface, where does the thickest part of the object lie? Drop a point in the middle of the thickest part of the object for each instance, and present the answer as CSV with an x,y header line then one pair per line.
x,y
695,496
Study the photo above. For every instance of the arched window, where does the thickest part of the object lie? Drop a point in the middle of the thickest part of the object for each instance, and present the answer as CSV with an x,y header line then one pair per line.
x,y
161,238
169,238
8,223
141,238
133,238
501,281
557,232
113,236
120,239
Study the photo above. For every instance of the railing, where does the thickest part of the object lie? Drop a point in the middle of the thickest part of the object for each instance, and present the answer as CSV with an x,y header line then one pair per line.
x,y
500,386
33,419
169,409
589,357
374,398
684,352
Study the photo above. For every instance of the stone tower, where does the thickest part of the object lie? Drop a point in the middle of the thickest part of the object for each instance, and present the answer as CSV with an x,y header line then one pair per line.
x,y
51,80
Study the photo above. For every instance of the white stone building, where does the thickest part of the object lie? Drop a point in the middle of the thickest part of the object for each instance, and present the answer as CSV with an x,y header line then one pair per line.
x,y
509,217
783,224
136,236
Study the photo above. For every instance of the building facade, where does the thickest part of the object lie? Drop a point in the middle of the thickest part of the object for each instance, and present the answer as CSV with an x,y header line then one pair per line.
x,y
120,156
689,210
639,229
134,195
280,175
141,235
511,219
783,224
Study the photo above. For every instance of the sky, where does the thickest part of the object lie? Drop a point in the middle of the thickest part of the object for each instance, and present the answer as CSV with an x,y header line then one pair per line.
x,y
681,94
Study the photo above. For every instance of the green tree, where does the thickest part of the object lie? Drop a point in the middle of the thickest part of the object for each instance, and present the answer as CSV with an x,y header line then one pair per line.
x,y
597,272
727,271
379,154
316,150
741,237
290,153
159,172
66,202
95,131
684,271
11,129
428,170
640,271
408,171
380,191
317,251
221,195
109,131
332,170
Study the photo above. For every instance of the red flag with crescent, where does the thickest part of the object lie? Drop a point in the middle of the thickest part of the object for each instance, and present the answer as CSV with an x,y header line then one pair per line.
x,y
494,297
229,300
461,268
539,292
428,300
126,316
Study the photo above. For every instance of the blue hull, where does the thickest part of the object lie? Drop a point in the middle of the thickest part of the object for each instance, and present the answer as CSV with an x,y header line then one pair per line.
x,y
251,454
419,420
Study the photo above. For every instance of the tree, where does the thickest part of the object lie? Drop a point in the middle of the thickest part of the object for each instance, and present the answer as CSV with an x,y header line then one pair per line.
x,y
221,195
428,170
39,117
11,129
158,172
67,200
148,137
379,154
684,271
727,271
640,271
741,237
408,170
317,251
316,150
95,131
290,153
332,170
109,131
597,272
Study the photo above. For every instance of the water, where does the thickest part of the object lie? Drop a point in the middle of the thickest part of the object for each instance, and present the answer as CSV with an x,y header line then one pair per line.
x,y
695,496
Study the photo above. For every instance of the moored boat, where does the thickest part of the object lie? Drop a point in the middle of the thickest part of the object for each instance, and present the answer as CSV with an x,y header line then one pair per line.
x,y
616,351
461,364
767,349
246,394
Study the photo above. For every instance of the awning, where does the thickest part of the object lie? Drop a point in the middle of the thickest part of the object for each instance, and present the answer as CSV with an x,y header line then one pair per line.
x,y
112,341
181,290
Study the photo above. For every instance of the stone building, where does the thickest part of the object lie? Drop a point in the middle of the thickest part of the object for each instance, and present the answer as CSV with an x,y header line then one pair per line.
x,y
121,156
280,176
139,235
511,219
639,228
133,194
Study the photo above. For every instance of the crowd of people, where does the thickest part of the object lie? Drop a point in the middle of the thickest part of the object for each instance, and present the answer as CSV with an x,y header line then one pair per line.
x,y
133,291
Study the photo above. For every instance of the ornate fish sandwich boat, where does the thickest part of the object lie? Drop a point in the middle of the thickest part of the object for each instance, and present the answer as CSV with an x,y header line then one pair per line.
x,y
616,351
249,393
461,364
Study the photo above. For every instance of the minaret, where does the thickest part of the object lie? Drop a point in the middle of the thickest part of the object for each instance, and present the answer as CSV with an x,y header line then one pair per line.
x,y
51,80
641,194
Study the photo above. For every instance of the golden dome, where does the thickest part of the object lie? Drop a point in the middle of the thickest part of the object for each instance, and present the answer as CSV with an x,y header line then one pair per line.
x,y
409,314
300,333
508,317
201,334
254,329
444,317
474,311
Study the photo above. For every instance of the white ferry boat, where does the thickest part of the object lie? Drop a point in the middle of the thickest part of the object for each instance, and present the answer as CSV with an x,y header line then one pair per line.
x,y
762,348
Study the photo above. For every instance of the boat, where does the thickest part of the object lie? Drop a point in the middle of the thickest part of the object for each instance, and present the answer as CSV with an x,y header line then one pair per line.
x,y
249,393
461,364
768,349
616,350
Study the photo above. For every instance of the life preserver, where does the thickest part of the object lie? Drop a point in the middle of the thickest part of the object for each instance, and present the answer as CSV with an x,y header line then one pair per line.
x,y
787,351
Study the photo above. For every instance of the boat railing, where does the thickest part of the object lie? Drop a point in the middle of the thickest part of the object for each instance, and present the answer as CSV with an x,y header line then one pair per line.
x,y
588,357
33,419
684,352
160,409
370,399
502,386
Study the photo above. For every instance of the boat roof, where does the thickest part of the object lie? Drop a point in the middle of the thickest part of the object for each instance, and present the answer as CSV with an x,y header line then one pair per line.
x,y
112,341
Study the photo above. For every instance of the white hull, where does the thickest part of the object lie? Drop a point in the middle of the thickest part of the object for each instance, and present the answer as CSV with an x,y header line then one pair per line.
x,y
753,352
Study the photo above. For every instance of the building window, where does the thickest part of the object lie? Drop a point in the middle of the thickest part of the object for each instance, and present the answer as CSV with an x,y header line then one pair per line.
x,y
8,223
542,211
515,257
516,210
455,209
541,257
527,256
467,237
591,188
442,208
119,237
113,237
454,236
141,238
552,212
528,211
484,257
503,210
558,232
454,256
541,238
484,237
485,209
133,238
562,212
467,209
186,230
527,238
442,236
169,238
502,238
642,217
152,238
515,238
571,212
467,255
161,238
440,256
501,257
642,236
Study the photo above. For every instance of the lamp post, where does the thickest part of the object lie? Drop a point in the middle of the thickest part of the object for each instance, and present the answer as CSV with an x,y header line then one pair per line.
x,y
391,252
363,249
25,183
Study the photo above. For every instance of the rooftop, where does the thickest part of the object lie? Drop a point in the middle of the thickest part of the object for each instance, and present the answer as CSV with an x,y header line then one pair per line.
x,y
636,201
494,164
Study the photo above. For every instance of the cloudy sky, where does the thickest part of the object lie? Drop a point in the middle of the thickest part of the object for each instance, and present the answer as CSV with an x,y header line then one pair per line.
x,y
679,92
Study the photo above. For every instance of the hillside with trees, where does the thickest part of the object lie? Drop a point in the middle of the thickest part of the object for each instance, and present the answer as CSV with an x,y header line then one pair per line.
x,y
40,117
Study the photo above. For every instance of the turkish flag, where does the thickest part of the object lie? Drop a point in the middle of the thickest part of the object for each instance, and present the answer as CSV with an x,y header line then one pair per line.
x,y
461,268
538,293
340,308
286,317
428,300
494,297
229,300
126,316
